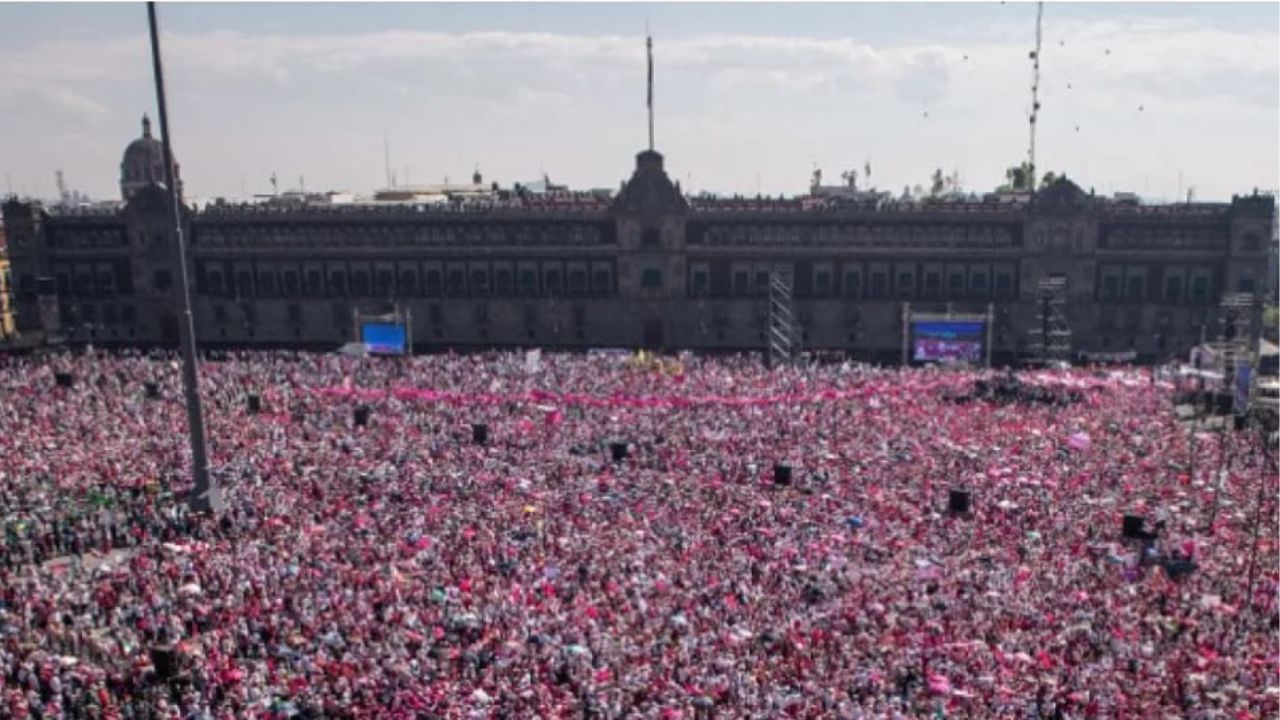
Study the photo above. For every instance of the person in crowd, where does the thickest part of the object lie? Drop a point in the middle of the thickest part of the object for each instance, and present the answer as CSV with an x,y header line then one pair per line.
x,y
398,569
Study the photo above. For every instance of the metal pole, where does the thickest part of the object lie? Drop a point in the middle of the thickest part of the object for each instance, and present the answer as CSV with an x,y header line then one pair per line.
x,y
906,333
205,496
991,321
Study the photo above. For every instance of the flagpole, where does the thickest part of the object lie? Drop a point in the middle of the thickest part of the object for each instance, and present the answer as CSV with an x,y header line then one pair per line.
x,y
648,42
205,495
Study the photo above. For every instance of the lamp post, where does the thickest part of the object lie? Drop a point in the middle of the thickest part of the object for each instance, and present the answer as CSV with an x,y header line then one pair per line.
x,y
205,495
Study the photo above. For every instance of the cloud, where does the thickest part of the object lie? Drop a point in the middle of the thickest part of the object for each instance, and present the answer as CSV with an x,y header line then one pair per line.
x,y
843,92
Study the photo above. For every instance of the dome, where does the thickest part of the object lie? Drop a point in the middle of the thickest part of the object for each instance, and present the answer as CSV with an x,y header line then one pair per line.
x,y
143,163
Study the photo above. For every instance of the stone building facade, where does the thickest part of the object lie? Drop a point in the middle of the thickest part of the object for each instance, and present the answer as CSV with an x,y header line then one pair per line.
x,y
648,268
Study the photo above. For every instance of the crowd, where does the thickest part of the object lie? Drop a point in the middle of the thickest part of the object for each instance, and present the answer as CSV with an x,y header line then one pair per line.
x,y
401,570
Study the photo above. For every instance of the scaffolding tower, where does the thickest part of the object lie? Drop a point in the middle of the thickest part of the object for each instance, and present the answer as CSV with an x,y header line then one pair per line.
x,y
781,331
1236,333
1049,338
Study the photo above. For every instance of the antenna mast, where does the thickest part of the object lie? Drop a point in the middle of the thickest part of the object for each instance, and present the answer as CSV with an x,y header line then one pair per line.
x,y
1035,97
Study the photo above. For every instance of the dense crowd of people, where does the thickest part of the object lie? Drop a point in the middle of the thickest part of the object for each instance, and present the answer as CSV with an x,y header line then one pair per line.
x,y
399,569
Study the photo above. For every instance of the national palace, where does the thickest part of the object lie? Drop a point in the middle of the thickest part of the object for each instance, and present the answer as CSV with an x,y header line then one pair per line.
x,y
646,266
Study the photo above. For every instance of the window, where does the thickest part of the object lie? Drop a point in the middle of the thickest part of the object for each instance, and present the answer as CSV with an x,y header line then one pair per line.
x,y
1245,285
1004,285
338,283
906,285
266,284
553,281
244,282
480,281
84,285
528,282
955,283
651,238
313,283
162,280
699,286
215,283
602,282
360,283
1200,289
106,284
502,281
291,283
822,283
879,285
762,282
852,285
578,282
1173,289
651,278
979,283
408,282
382,283
932,284
1111,287
1134,293
740,280
433,282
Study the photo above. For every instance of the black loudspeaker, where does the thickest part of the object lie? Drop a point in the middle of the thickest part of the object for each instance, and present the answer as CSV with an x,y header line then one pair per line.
x,y
153,390
781,474
959,501
165,661
480,433
64,379
618,451
1179,568
361,415
254,404
1224,403
1133,527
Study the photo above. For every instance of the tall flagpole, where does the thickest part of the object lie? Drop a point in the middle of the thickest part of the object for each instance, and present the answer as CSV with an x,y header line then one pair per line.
x,y
648,42
205,496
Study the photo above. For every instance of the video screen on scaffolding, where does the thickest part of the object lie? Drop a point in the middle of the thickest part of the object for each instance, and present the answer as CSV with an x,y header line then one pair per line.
x,y
947,341
383,338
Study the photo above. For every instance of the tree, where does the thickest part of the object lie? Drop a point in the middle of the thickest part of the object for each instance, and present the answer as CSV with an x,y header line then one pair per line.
x,y
937,183
1017,178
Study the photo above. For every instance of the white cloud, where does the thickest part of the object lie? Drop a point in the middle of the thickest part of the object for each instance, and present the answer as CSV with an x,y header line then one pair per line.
x,y
562,94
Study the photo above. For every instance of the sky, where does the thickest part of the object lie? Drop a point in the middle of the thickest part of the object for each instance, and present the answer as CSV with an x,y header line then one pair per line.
x,y
1152,98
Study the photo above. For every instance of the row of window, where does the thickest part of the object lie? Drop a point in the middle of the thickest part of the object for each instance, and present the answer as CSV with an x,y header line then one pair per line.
x,y
465,279
87,314
904,284
1142,283
341,315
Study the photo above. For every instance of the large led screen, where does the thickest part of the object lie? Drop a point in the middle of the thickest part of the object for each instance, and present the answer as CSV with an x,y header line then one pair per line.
x,y
383,338
947,341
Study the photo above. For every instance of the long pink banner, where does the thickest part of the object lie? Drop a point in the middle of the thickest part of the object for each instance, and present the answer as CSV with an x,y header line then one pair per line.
x,y
628,401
